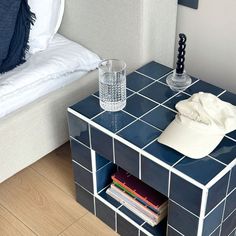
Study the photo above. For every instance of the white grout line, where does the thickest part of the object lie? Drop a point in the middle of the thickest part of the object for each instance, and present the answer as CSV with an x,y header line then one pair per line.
x,y
113,150
217,160
175,229
163,105
229,215
74,139
83,188
104,165
187,178
98,115
221,93
226,194
183,208
93,158
140,166
154,78
134,147
168,194
115,221
230,138
232,232
202,211
90,137
77,163
214,230
221,174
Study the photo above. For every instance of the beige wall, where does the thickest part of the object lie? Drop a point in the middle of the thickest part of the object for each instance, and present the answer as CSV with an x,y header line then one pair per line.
x,y
211,46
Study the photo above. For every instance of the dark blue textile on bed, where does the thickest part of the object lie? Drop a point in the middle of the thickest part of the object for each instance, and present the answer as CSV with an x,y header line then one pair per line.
x,y
15,22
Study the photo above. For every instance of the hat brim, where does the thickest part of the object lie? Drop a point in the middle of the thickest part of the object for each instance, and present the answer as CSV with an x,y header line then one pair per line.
x,y
194,143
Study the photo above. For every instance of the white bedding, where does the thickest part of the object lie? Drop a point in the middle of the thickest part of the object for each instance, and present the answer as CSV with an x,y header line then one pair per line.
x,y
44,72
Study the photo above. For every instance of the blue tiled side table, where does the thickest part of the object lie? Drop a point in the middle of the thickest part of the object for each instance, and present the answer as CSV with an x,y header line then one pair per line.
x,y
201,193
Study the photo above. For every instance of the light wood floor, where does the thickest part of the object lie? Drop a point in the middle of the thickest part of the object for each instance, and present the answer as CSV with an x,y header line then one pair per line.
x,y
40,200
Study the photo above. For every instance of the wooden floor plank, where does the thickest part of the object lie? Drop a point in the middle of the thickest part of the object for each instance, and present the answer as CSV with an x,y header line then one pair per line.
x,y
95,226
39,204
11,226
57,168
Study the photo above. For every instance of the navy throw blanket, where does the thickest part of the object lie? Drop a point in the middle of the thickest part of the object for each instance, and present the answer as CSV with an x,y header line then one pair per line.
x,y
15,22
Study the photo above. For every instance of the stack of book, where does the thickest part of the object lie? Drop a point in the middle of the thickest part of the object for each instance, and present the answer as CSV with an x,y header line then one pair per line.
x,y
138,197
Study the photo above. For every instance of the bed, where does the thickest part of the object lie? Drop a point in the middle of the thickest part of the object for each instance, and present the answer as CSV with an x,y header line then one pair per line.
x,y
29,132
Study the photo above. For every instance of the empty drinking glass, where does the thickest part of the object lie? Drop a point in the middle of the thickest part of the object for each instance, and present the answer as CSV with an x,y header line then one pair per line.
x,y
112,84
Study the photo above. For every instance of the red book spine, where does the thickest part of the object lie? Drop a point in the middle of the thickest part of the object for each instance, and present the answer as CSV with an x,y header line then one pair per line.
x,y
135,193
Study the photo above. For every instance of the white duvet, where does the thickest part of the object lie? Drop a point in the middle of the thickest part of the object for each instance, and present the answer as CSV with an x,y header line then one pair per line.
x,y
60,58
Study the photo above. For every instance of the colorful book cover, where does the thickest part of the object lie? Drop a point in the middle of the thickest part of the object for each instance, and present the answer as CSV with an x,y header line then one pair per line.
x,y
135,207
136,187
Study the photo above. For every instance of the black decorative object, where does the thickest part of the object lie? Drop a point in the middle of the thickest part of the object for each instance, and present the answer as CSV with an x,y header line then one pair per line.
x,y
181,55
179,80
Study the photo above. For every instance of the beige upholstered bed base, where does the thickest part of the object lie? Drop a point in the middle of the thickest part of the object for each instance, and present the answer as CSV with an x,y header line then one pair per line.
x,y
135,30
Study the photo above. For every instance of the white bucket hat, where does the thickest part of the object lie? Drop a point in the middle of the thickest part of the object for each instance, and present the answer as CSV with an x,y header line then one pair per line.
x,y
200,125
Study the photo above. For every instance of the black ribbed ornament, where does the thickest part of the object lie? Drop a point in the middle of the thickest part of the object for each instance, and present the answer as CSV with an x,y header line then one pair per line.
x,y
181,54
179,79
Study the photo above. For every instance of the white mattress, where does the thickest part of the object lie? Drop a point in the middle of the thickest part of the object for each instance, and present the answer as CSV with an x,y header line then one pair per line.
x,y
61,63
30,94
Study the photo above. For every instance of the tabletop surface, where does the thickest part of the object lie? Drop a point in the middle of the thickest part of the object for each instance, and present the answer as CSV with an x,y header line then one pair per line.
x,y
149,110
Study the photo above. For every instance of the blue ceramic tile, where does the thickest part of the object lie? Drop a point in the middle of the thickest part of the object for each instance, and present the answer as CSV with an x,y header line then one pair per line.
x,y
109,199
100,161
173,101
233,233
182,220
202,86
155,175
131,215
160,117
229,97
143,234
106,214
101,143
163,80
81,154
172,232
157,230
129,93
232,183
78,129
191,200
154,70
203,170
158,92
139,133
136,81
216,193
189,3
232,134
225,151
138,105
213,220
104,176
230,205
84,198
127,158
97,94
229,224
88,107
83,177
164,153
114,121
216,232
125,228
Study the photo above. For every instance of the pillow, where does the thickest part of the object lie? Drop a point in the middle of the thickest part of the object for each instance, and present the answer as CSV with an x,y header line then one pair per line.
x,y
49,15
15,28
